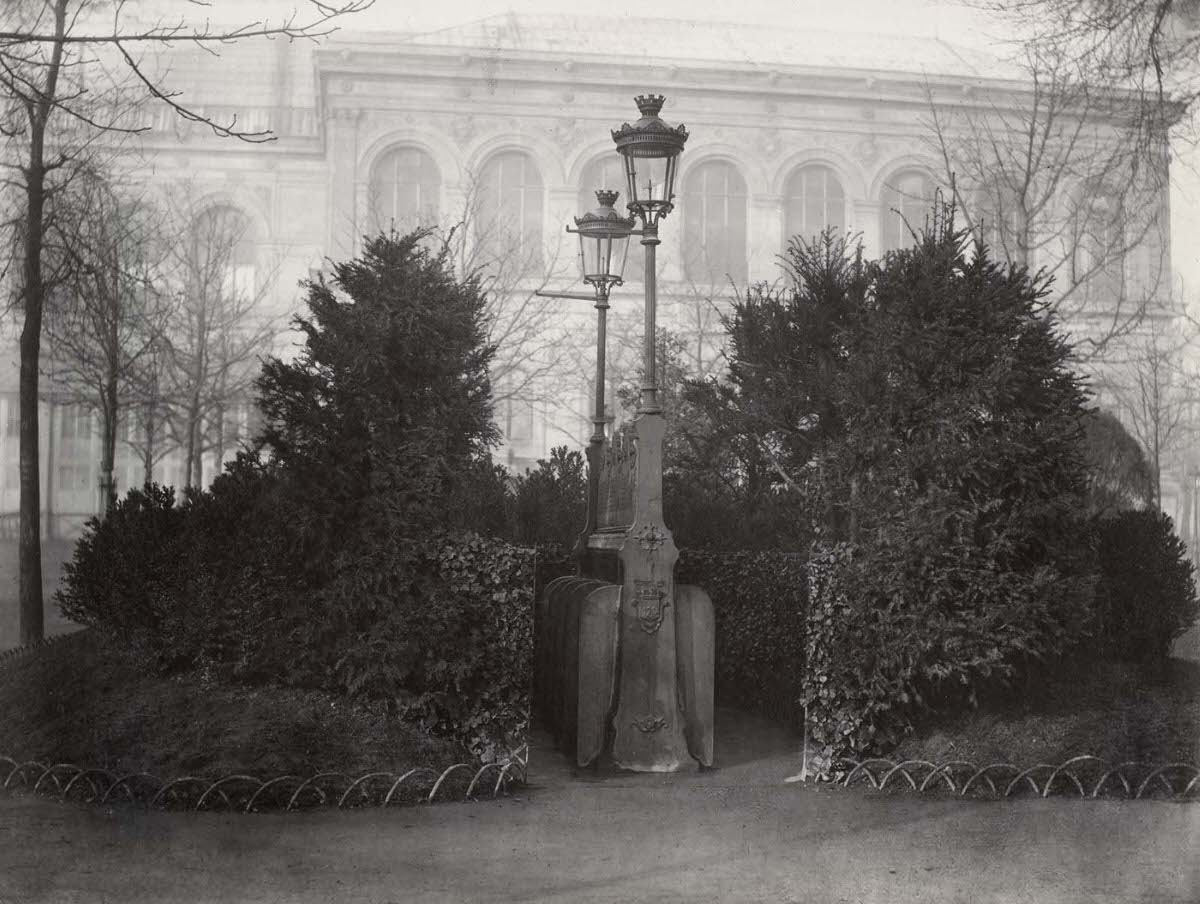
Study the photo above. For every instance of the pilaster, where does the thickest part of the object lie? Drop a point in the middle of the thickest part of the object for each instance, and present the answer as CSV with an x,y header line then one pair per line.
x,y
867,222
344,223
765,238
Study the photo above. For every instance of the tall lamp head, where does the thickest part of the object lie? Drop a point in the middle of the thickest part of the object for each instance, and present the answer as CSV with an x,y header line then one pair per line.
x,y
650,148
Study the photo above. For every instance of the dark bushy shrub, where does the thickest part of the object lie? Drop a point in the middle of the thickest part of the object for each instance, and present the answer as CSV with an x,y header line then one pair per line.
x,y
441,633
1146,596
127,569
896,632
1119,476
244,561
760,601
549,503
329,564
957,478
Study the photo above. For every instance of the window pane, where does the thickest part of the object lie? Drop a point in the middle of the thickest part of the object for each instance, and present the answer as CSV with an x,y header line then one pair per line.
x,y
813,201
224,255
714,234
404,191
907,201
509,212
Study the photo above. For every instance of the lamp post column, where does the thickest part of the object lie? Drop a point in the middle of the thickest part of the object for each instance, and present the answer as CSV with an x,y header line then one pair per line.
x,y
650,242
595,449
598,419
648,730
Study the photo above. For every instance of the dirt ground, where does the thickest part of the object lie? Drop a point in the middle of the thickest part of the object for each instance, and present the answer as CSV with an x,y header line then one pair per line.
x,y
736,834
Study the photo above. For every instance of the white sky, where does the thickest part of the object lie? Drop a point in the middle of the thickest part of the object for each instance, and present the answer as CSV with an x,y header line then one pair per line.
x,y
951,21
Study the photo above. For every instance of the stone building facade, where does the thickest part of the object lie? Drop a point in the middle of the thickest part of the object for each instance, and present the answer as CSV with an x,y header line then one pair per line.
x,y
503,126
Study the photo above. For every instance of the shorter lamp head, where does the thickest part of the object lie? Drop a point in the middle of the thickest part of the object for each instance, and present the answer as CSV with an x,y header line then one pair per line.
x,y
603,241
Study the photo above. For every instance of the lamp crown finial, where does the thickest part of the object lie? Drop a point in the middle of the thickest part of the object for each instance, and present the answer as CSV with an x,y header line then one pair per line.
x,y
649,104
607,197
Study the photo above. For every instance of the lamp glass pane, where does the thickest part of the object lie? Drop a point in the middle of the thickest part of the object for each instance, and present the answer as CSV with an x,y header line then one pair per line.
x,y
630,179
620,254
651,178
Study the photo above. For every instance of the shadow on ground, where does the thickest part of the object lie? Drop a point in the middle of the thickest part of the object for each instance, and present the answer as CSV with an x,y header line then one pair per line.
x,y
748,750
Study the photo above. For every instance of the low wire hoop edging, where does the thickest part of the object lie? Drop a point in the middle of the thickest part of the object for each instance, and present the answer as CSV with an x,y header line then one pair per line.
x,y
1086,776
244,793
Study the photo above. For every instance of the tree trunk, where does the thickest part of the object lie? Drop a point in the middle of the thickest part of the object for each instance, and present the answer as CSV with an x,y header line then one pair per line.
x,y
1157,480
30,549
148,457
108,443
219,440
191,466
30,542
29,555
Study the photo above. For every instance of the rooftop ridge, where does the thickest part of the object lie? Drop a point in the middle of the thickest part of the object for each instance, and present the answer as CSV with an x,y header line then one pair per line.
x,y
785,45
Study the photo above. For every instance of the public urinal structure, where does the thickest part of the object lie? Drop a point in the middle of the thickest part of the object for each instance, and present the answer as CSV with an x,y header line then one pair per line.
x,y
625,664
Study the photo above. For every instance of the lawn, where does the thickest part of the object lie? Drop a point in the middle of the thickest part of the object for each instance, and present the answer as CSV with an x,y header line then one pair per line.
x,y
78,702
1117,711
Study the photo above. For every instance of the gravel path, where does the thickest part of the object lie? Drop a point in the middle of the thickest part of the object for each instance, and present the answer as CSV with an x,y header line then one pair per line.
x,y
735,834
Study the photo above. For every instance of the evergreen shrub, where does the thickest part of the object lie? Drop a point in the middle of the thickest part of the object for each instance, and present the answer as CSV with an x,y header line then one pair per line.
x,y
335,557
955,477
125,574
1146,595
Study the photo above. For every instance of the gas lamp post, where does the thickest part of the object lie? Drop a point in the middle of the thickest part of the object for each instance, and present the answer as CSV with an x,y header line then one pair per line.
x,y
650,149
635,650
603,246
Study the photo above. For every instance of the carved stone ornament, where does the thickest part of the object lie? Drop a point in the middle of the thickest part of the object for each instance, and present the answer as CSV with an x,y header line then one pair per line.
x,y
650,537
867,150
462,128
650,605
648,724
772,141
564,132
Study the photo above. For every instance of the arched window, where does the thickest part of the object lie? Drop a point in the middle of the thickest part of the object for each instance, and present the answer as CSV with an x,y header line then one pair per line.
x,y
609,172
714,224
906,202
405,190
223,255
813,202
997,220
508,221
1100,246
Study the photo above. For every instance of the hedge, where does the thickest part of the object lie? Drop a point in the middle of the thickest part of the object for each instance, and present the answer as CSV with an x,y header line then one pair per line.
x,y
442,632
760,601
894,634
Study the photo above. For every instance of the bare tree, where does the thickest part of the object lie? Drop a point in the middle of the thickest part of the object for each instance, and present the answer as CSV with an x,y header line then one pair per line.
x,y
1156,391
538,340
219,330
1055,178
66,67
110,316
150,412
1149,46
